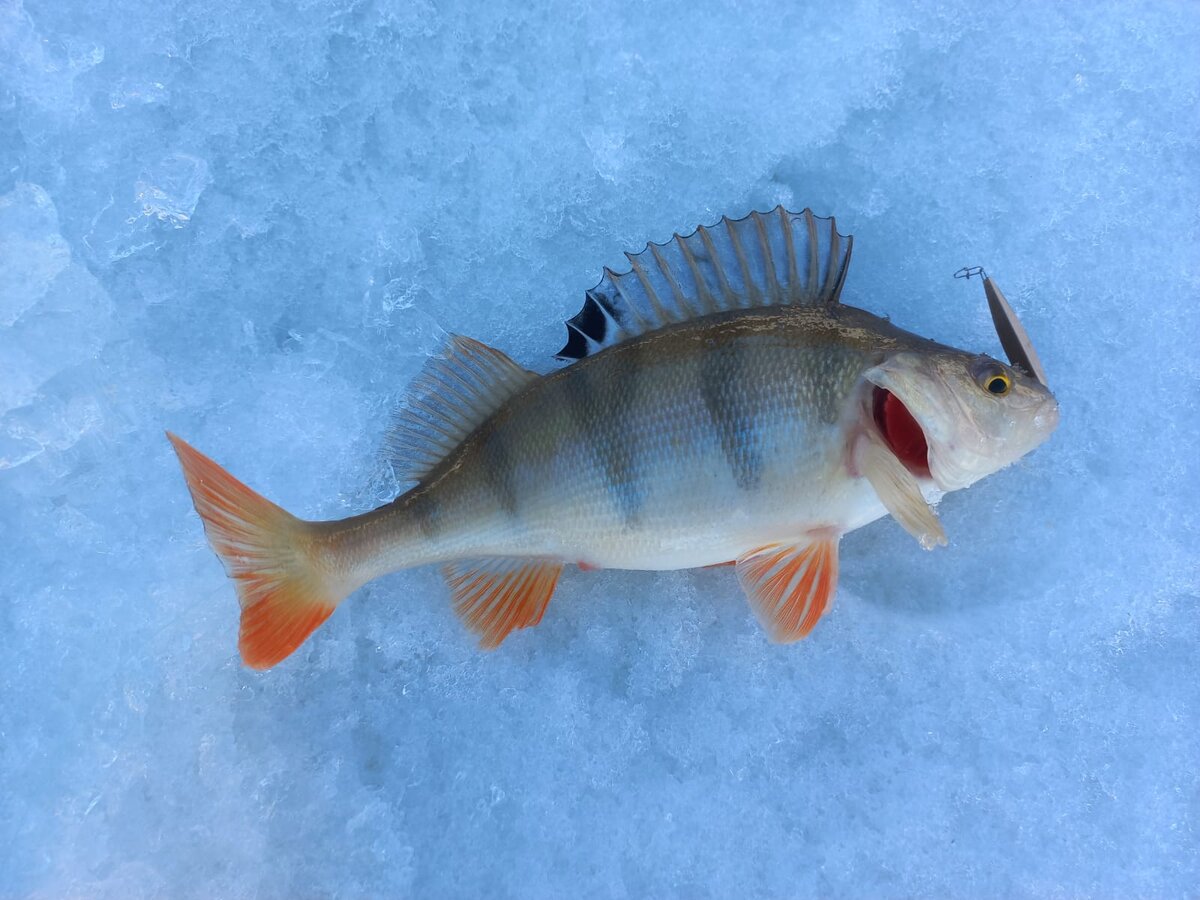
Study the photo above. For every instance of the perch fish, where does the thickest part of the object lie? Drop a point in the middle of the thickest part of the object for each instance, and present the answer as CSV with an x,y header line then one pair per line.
x,y
720,404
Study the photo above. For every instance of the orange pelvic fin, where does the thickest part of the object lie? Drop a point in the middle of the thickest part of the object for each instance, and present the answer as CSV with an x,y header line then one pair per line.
x,y
790,586
494,597
268,553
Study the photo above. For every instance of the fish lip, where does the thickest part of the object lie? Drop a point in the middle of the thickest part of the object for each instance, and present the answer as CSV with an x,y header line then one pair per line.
x,y
1049,412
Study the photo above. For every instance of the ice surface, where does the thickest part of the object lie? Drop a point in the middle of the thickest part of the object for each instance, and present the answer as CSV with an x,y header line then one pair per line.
x,y
248,223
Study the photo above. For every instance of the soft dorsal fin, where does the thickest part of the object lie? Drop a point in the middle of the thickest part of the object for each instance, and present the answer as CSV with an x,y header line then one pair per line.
x,y
778,258
451,397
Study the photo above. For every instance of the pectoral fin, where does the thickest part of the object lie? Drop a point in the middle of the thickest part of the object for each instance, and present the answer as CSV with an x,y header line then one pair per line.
x,y
899,492
790,586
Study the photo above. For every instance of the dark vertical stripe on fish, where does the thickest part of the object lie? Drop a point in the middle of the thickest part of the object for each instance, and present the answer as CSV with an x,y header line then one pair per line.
x,y
596,416
426,512
498,470
732,415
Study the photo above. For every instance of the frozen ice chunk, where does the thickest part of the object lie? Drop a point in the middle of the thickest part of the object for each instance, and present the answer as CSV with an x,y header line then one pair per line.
x,y
32,252
137,93
164,198
43,70
170,190
53,312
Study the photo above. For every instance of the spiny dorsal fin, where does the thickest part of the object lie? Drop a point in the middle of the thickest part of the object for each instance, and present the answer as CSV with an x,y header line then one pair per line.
x,y
455,392
778,258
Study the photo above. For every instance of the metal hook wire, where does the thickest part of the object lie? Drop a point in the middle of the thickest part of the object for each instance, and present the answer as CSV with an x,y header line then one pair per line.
x,y
969,272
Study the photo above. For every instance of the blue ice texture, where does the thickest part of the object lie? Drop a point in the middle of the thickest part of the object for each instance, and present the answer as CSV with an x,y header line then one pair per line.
x,y
251,222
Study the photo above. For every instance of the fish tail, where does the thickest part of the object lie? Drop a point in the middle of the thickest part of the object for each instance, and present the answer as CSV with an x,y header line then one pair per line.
x,y
285,586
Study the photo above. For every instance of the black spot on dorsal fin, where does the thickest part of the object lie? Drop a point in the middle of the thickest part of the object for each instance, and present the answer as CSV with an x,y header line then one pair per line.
x,y
591,324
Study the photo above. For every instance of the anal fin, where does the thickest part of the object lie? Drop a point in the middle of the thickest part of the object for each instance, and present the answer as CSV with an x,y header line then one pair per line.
x,y
495,597
790,586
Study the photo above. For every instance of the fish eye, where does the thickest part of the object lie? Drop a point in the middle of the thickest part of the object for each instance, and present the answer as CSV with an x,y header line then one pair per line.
x,y
997,383
991,376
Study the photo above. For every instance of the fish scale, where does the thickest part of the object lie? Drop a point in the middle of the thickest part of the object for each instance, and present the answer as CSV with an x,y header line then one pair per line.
x,y
721,405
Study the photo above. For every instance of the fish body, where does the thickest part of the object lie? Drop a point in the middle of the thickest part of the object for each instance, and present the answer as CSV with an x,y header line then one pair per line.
x,y
755,420
680,448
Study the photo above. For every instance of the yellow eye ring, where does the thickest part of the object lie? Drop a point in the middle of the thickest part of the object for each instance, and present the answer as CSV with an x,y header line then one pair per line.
x,y
998,384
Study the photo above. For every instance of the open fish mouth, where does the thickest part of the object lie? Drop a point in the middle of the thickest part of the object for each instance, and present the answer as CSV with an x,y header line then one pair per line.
x,y
901,431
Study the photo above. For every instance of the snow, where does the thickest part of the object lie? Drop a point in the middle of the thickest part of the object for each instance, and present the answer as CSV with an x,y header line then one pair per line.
x,y
250,223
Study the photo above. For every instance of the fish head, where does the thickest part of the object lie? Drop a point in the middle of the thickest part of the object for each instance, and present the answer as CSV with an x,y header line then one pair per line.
x,y
956,417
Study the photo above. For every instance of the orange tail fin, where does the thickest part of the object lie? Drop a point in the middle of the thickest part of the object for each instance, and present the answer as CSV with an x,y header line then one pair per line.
x,y
268,552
